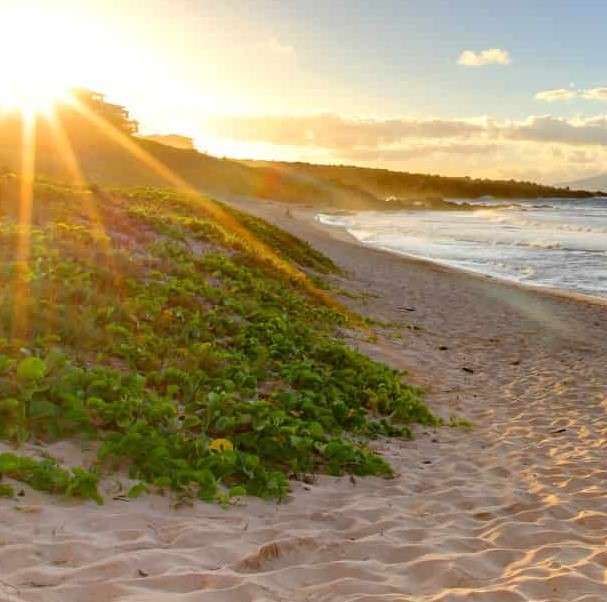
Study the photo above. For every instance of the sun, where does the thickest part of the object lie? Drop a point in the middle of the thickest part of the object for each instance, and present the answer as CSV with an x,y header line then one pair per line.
x,y
30,92
37,65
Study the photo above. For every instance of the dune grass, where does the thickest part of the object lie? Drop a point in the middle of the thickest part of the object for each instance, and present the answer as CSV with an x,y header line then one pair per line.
x,y
148,327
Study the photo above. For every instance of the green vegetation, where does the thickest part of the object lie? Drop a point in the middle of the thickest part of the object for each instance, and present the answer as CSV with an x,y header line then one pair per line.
x,y
294,249
45,475
6,490
149,327
459,422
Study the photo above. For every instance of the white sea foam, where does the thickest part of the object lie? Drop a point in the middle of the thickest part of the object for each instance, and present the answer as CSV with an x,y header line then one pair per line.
x,y
558,243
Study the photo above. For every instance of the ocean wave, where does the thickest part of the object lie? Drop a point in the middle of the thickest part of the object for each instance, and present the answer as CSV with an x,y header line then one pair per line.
x,y
329,219
527,223
565,248
548,245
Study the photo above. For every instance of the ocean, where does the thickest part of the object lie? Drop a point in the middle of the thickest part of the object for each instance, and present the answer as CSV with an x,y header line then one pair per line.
x,y
556,243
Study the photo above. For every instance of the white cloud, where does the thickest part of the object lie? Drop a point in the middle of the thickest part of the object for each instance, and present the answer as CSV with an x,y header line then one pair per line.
x,y
568,93
555,95
595,93
337,132
582,132
490,56
545,147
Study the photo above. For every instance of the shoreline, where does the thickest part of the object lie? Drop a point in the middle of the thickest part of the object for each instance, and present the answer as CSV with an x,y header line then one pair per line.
x,y
272,210
556,312
539,288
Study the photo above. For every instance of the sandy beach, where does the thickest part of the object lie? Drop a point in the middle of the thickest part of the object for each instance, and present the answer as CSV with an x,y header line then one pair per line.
x,y
512,509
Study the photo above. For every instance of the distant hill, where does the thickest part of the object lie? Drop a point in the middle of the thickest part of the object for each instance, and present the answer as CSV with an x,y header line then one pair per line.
x,y
383,184
594,183
104,161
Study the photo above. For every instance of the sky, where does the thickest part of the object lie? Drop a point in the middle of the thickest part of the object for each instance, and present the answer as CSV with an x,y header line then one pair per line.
x,y
513,89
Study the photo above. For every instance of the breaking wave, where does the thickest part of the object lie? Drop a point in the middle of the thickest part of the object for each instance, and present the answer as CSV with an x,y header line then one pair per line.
x,y
559,243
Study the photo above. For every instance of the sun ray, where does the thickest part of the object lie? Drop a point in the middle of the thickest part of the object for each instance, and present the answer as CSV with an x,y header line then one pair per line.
x,y
24,230
66,151
212,208
97,226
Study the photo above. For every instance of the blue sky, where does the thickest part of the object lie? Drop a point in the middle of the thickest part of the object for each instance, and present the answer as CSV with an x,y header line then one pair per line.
x,y
392,59
404,53
368,82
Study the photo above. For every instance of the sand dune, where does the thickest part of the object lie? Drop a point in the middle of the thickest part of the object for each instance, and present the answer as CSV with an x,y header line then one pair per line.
x,y
513,510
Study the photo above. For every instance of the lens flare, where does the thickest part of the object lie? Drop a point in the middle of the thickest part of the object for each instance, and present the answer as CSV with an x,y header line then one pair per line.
x,y
35,76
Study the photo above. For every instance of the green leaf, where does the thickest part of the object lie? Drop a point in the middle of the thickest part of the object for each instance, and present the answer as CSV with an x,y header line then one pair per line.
x,y
31,368
43,409
10,407
137,490
6,490
237,491
5,363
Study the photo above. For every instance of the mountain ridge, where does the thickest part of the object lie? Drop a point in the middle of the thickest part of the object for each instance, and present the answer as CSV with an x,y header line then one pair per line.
x,y
103,141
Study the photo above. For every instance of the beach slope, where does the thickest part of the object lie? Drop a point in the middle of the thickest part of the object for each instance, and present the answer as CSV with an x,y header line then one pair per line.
x,y
511,509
